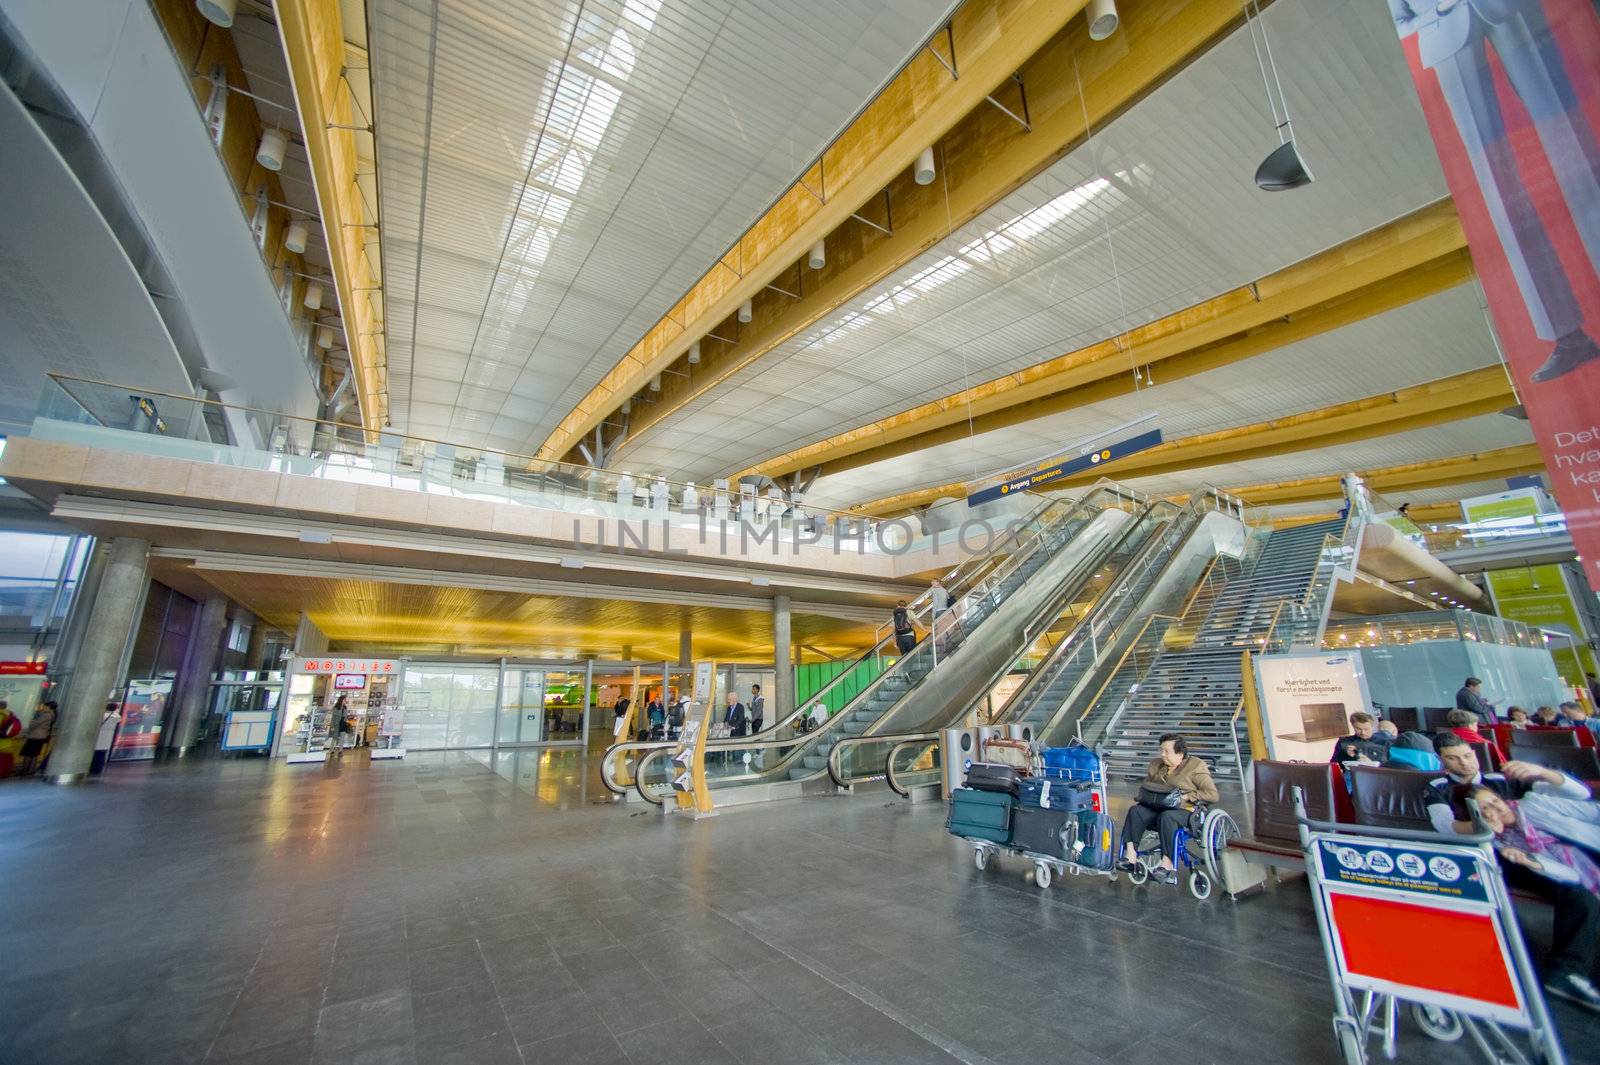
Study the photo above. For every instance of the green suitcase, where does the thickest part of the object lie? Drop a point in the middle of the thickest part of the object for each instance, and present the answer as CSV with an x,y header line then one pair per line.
x,y
980,815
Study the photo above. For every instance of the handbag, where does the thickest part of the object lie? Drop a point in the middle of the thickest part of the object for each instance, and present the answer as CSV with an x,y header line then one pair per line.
x,y
1156,798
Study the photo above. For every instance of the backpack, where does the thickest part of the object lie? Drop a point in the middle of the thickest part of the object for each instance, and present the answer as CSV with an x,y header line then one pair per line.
x,y
1412,741
1407,758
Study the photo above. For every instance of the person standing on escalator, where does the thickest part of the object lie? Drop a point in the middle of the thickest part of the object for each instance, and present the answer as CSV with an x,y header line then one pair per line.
x,y
758,709
905,634
735,717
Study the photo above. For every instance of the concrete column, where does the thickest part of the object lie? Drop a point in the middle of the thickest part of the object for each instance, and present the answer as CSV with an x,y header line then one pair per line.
x,y
308,639
256,649
685,648
99,661
782,638
194,683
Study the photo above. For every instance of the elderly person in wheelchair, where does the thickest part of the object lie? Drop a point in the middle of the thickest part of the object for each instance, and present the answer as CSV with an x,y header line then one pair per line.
x,y
1176,786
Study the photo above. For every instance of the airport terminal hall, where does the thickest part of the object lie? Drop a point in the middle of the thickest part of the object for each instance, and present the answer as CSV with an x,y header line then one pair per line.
x,y
799,532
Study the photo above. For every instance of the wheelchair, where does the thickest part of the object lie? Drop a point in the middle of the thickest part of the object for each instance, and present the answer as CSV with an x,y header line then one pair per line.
x,y
1196,850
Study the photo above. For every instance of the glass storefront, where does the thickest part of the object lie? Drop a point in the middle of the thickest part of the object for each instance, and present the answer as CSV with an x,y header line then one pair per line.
x,y
540,704
450,705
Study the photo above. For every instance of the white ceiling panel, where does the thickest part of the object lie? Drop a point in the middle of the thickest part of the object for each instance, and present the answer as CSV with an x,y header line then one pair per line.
x,y
556,173
1159,213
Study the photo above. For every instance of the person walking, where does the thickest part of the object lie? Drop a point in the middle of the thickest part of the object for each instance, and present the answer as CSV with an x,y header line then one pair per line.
x,y
37,736
106,738
347,730
758,709
941,599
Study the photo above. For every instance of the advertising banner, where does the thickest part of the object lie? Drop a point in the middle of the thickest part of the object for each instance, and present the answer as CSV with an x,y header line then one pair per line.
x,y
1065,466
1511,92
1540,596
1306,702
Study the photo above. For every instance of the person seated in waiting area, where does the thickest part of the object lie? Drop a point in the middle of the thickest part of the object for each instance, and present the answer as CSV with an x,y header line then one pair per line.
x,y
1534,861
1387,732
1517,717
1464,723
1546,715
1364,744
1515,779
1579,717
1173,786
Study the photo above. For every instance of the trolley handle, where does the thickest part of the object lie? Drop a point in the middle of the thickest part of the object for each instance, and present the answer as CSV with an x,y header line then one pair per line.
x,y
1414,835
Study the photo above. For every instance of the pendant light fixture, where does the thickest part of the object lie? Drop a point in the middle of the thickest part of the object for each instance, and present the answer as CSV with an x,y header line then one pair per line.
x,y
923,173
270,152
1283,169
1102,19
295,237
218,12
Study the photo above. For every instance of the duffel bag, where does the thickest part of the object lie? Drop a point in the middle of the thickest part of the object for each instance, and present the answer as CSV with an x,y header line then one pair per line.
x,y
1014,753
985,776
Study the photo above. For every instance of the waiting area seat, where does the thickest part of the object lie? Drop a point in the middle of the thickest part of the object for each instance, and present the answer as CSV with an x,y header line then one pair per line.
x,y
1276,838
1389,798
1580,763
1554,737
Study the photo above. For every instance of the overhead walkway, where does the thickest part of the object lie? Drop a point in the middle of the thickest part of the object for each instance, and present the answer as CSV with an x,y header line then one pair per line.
x,y
1157,570
997,598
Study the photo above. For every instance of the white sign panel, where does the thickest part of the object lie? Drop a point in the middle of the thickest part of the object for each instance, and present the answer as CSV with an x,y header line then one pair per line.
x,y
702,681
1307,700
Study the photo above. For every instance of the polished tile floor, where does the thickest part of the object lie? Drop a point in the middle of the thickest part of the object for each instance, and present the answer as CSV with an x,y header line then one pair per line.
x,y
452,909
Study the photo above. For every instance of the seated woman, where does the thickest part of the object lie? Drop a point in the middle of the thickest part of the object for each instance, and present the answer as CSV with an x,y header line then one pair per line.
x,y
1517,717
1464,723
1171,789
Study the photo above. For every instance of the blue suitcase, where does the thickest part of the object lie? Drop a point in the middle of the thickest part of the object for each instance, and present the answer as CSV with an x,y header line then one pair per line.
x,y
980,815
1054,794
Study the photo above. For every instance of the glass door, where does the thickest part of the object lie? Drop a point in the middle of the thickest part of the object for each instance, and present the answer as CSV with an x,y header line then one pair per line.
x,y
540,705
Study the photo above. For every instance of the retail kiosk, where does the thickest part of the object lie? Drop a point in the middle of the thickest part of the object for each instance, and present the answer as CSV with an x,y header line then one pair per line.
x,y
312,687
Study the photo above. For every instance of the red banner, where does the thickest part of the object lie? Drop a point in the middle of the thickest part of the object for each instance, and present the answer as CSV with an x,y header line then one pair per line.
x,y
28,669
1511,91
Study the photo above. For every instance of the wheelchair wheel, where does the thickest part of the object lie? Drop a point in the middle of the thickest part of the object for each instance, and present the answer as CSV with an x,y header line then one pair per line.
x,y
1139,873
1218,829
980,858
1437,1023
1200,884
1041,874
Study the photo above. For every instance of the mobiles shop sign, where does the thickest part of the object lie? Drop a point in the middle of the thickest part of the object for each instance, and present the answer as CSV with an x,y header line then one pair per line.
x,y
1065,466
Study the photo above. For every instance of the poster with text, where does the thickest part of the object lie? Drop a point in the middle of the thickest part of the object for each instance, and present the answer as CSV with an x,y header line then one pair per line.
x,y
1306,702
1511,91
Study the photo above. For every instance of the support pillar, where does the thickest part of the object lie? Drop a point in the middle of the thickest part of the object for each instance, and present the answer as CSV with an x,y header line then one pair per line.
x,y
256,649
194,683
685,648
783,669
99,660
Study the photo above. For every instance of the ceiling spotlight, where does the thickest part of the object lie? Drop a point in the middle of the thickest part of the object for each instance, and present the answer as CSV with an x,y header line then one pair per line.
x,y
746,311
217,12
923,172
1102,19
270,152
313,297
694,353
818,257
294,238
627,405
324,337
655,383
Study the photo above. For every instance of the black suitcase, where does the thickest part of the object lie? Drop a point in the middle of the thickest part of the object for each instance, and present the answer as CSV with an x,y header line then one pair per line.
x,y
1036,829
986,776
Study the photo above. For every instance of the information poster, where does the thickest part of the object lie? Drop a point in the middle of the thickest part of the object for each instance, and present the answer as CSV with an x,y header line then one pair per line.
x,y
1306,702
1511,94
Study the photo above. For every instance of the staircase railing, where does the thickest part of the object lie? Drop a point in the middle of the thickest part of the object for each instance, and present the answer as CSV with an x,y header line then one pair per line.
x,y
1133,665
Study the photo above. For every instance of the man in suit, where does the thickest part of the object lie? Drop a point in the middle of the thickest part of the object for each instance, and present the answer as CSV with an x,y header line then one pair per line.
x,y
734,718
1454,38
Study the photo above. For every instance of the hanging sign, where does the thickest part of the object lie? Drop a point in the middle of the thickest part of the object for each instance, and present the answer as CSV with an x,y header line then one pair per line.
x,y
1065,466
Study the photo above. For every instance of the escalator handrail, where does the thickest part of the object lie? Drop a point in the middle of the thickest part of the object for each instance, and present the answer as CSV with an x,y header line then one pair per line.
x,y
888,761
858,741
1048,668
608,761
801,744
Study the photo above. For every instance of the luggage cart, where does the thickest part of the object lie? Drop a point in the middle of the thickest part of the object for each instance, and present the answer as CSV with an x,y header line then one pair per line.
x,y
1047,867
1378,893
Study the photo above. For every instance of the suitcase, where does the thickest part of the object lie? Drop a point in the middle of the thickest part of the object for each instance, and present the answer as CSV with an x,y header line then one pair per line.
x,y
1092,840
1073,762
1055,794
1039,830
985,776
980,815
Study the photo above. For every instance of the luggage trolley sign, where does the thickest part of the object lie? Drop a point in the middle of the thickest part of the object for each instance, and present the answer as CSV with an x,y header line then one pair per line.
x,y
1420,923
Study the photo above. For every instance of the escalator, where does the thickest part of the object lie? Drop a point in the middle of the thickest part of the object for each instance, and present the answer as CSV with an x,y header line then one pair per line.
x,y
992,597
1148,573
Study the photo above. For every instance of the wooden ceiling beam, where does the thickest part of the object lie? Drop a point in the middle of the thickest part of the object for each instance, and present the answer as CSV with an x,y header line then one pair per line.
x,y
1409,259
983,155
1435,473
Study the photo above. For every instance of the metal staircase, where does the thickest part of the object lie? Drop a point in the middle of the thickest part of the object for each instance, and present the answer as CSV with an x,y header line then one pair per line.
x,y
1196,690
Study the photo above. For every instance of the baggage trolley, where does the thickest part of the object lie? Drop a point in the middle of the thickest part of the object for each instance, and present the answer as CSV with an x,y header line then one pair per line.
x,y
1380,895
1047,867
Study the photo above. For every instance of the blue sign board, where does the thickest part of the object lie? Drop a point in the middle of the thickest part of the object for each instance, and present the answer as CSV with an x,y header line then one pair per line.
x,y
1066,466
1408,869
